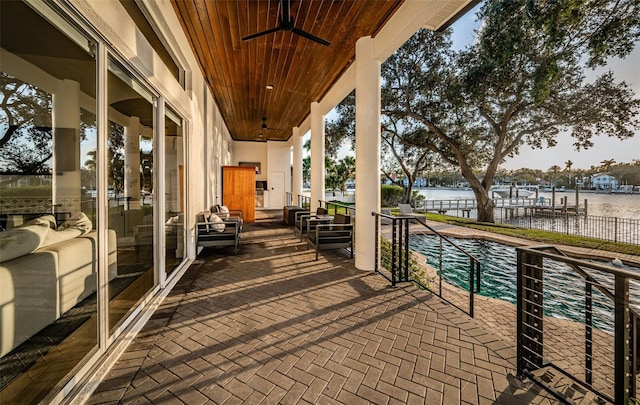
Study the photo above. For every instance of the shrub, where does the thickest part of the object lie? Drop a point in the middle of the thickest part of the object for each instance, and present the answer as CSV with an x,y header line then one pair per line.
x,y
28,191
391,195
417,273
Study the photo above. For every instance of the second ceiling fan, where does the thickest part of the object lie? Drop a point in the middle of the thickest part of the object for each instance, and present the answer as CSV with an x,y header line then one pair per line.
x,y
287,24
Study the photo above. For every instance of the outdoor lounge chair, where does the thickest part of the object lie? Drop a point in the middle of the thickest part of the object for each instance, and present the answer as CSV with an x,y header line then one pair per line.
x,y
214,233
407,211
335,235
307,222
383,220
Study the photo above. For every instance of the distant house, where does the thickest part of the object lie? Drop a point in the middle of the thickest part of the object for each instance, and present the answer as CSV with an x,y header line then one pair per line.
x,y
604,181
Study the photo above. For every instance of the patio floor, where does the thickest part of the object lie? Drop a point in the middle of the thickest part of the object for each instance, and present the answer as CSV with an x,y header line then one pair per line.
x,y
272,325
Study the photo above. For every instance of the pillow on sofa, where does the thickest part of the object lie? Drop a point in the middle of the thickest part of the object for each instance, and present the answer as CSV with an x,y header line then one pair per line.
x,y
46,220
217,223
60,235
21,241
78,221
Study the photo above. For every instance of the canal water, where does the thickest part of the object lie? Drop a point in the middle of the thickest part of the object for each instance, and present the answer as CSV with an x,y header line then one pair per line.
x,y
606,205
498,278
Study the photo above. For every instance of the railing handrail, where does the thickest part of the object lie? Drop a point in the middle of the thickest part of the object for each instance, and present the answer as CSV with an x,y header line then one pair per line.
x,y
337,204
530,347
435,232
579,262
404,221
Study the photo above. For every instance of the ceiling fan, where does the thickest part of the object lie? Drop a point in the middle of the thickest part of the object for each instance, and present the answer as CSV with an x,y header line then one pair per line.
x,y
287,24
264,128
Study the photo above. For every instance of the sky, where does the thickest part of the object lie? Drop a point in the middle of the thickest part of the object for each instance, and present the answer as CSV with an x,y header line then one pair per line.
x,y
604,148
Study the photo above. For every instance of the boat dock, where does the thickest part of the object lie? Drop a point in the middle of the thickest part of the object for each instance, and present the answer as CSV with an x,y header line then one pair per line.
x,y
511,207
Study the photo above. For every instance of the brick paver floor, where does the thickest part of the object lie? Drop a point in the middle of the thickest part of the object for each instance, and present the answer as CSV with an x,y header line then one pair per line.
x,y
273,326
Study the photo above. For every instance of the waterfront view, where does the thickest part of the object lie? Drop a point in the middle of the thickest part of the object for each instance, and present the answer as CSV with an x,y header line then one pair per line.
x,y
499,277
606,205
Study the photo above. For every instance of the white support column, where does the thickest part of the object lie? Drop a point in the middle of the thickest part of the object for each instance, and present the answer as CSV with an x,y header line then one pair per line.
x,y
296,180
132,163
367,151
317,155
66,180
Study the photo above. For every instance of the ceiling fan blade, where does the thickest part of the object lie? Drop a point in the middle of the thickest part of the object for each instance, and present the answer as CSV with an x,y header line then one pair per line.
x,y
259,34
310,37
285,6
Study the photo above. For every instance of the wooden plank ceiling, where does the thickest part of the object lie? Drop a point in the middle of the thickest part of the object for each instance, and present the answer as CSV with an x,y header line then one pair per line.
x,y
300,70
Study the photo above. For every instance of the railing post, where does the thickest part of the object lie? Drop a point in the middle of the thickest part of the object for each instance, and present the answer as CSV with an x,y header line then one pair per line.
x,y
472,285
406,252
529,316
588,334
376,264
622,361
393,252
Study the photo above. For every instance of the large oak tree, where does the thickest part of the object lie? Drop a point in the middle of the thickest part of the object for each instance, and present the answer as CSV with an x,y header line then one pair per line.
x,y
522,81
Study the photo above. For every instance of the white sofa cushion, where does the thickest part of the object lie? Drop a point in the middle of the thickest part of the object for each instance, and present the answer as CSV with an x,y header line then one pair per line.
x,y
21,241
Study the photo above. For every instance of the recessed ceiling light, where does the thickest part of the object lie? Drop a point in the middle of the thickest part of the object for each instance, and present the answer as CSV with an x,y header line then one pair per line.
x,y
269,86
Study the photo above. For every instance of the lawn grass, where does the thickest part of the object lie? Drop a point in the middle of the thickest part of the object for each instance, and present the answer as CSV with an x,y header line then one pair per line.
x,y
536,235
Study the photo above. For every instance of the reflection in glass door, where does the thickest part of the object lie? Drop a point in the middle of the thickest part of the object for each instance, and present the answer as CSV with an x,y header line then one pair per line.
x,y
174,190
130,176
48,241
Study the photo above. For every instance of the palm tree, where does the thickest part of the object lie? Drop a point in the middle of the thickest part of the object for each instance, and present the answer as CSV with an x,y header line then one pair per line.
x,y
555,169
568,165
606,165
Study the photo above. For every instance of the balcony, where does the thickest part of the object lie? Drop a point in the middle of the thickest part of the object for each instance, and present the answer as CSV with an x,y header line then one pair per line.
x,y
273,325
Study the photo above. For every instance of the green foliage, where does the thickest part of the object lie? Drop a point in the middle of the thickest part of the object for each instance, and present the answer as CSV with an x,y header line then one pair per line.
x,y
25,127
29,191
338,173
538,235
391,195
521,82
417,273
416,196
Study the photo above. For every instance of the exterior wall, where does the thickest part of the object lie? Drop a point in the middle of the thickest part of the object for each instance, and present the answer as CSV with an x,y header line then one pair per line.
x,y
273,157
279,158
208,146
252,152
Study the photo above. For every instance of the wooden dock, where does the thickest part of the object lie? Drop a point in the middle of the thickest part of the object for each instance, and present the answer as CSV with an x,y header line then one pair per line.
x,y
511,207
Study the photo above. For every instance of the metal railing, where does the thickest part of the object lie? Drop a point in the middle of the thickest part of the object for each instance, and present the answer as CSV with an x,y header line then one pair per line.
x,y
304,201
472,204
398,262
623,230
338,208
593,343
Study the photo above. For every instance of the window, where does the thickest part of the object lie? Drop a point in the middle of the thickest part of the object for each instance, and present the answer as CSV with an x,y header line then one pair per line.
x,y
48,241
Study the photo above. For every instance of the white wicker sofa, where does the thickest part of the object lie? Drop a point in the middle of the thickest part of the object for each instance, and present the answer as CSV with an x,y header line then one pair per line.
x,y
44,272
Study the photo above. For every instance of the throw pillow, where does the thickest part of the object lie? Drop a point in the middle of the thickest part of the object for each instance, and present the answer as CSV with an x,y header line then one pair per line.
x,y
46,220
223,212
60,235
78,221
203,217
217,223
21,241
